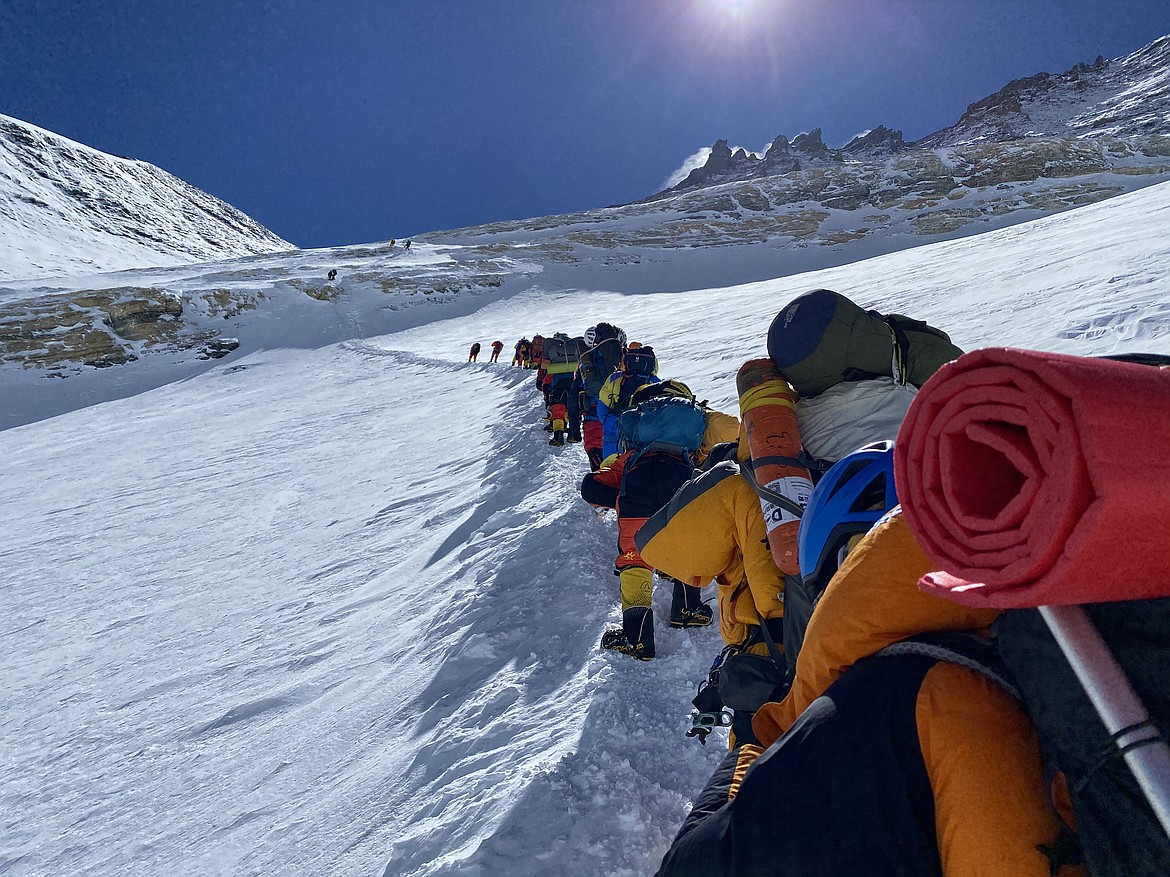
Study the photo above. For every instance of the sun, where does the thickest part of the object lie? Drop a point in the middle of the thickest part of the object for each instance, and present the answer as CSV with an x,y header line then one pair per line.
x,y
743,15
738,9
746,33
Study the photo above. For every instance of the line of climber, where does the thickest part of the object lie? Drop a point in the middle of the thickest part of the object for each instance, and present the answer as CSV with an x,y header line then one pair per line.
x,y
872,724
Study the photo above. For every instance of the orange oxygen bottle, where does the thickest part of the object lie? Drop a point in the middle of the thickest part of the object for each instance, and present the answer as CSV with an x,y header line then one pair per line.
x,y
767,408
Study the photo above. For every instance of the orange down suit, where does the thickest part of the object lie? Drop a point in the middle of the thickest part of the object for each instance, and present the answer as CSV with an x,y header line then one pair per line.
x,y
886,764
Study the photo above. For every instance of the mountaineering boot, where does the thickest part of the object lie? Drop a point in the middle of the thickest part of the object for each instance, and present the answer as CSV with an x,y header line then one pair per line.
x,y
636,635
686,609
615,640
558,438
574,437
638,625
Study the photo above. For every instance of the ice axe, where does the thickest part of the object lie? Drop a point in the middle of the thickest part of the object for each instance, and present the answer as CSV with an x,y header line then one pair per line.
x,y
1125,716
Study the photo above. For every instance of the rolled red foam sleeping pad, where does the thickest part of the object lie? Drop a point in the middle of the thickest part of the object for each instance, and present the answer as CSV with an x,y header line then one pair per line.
x,y
1040,479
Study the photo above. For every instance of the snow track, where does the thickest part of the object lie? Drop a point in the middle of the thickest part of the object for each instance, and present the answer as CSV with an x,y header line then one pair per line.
x,y
527,724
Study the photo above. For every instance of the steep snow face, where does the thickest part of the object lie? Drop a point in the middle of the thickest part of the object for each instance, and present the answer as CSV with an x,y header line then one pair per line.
x,y
68,208
1126,97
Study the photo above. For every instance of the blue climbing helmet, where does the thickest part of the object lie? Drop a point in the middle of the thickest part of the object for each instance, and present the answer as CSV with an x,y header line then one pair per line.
x,y
849,499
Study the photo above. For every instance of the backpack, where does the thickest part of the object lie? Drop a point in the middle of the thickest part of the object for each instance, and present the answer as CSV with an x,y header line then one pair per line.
x,y
640,361
629,386
821,338
598,363
560,350
1118,832
672,423
672,387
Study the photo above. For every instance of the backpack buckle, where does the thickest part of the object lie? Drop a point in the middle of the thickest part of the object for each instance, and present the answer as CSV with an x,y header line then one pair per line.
x,y
702,724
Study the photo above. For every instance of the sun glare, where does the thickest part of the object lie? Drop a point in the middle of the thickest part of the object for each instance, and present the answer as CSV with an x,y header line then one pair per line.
x,y
734,8
745,34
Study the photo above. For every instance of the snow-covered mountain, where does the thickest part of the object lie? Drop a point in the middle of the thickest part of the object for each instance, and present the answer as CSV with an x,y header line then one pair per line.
x,y
1108,100
66,208
335,611
1040,144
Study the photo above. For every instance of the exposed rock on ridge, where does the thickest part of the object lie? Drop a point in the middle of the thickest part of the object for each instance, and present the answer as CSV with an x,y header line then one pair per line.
x,y
1123,103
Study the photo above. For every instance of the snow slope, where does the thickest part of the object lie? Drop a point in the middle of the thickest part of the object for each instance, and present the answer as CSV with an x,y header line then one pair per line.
x,y
66,208
334,611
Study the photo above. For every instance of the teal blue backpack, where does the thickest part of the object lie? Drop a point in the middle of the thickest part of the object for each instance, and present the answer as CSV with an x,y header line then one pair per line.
x,y
669,423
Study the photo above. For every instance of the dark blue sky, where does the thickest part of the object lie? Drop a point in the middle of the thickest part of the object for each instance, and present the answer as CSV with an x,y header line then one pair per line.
x,y
359,120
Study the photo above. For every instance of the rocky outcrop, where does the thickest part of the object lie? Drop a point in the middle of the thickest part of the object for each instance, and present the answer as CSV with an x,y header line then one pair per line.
x,y
100,328
812,146
1033,128
1127,97
880,141
781,157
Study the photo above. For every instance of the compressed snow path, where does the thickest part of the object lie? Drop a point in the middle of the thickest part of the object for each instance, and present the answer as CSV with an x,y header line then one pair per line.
x,y
335,611
257,625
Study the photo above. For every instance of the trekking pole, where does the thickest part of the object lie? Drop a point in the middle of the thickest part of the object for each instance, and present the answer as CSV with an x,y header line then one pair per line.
x,y
1125,716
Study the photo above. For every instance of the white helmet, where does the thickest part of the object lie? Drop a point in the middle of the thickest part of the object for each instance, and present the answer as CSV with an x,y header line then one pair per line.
x,y
590,336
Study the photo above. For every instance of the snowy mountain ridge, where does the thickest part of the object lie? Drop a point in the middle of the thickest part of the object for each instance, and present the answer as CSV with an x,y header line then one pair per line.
x,y
1127,97
66,208
1125,103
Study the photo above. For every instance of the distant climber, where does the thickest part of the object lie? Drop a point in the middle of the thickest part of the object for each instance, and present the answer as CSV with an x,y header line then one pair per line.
x,y
557,367
497,346
520,355
332,274
392,243
606,345
474,352
406,246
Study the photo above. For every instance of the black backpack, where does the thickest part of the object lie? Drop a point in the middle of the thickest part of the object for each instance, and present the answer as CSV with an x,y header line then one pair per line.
x,y
1118,832
598,363
605,331
640,361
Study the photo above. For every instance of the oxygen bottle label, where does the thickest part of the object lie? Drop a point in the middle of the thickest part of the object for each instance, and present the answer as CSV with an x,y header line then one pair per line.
x,y
795,489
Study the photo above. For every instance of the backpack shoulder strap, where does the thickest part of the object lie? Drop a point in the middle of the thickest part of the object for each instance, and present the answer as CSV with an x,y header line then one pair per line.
x,y
965,650
749,473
